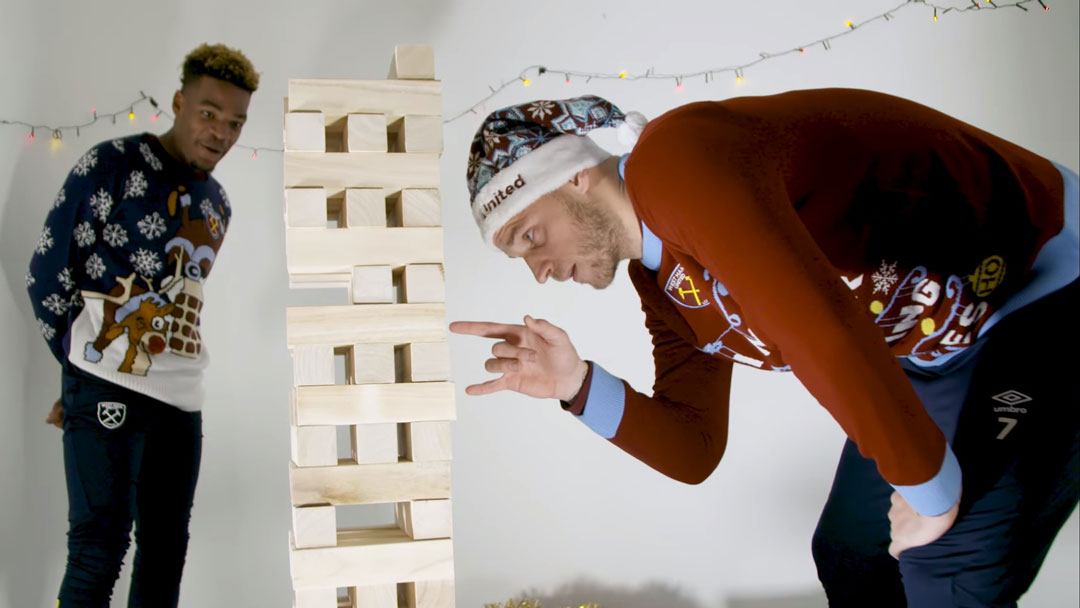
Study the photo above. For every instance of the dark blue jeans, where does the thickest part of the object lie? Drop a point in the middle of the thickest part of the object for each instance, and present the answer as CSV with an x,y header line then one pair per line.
x,y
127,458
1010,409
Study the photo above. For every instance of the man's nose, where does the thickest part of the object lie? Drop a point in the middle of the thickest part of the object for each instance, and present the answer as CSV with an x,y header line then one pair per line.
x,y
541,269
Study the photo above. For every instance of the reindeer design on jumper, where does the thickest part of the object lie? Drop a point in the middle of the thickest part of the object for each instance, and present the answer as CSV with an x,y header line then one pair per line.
x,y
168,317
140,314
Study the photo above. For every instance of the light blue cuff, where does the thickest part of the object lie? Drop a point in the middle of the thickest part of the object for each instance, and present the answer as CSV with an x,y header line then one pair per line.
x,y
605,404
938,495
651,249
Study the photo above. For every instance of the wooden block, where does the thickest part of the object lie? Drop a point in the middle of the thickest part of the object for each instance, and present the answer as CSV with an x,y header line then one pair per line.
x,y
430,594
338,171
373,556
374,443
337,98
314,526
305,207
425,519
332,251
369,364
365,207
374,403
314,446
305,131
413,62
313,365
371,285
366,484
421,134
365,133
423,283
418,207
316,598
427,441
373,596
377,323
426,361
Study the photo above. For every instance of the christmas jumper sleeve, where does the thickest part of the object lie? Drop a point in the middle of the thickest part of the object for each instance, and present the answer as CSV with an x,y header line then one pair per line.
x,y
713,190
60,261
681,431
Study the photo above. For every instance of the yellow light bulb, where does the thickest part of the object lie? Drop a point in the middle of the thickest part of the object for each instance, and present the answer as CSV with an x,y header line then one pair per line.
x,y
622,74
131,115
848,23
526,82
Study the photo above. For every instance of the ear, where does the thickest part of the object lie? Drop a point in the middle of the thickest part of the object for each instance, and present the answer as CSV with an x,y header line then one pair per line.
x,y
177,102
580,181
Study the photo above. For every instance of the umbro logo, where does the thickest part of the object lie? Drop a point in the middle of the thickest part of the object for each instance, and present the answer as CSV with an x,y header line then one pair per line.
x,y
1011,399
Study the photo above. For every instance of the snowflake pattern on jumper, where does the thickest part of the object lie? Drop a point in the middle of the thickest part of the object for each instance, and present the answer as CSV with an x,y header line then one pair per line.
x,y
136,185
540,109
148,156
101,203
224,198
30,280
152,226
64,277
87,162
118,144
885,277
76,300
45,241
46,330
84,234
146,262
61,196
207,207
55,304
115,235
95,267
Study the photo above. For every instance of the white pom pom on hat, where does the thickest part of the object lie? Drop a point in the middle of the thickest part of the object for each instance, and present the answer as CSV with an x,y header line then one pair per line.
x,y
631,128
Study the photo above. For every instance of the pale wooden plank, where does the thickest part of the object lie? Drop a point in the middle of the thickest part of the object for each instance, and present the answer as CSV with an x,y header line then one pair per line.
x,y
305,131
305,207
360,560
363,484
338,250
337,98
320,281
413,62
338,171
313,446
365,207
423,283
372,285
425,519
373,596
368,364
314,526
313,365
374,403
428,441
316,598
365,133
418,207
426,361
422,134
374,443
430,594
381,323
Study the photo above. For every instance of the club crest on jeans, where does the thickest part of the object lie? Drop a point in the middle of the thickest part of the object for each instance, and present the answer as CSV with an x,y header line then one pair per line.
x,y
111,415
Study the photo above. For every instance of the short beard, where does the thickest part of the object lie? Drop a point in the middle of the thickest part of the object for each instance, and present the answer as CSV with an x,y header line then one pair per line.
x,y
599,232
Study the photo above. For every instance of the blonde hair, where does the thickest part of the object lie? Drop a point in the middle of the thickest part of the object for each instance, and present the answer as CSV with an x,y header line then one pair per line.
x,y
221,62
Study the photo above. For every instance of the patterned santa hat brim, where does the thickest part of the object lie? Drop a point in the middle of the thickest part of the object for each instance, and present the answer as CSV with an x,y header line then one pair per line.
x,y
530,177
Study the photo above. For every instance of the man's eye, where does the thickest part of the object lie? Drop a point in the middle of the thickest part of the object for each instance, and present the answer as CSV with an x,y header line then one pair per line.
x,y
207,114
529,236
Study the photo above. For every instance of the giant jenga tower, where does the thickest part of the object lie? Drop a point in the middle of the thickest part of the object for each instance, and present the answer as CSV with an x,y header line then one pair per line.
x,y
362,212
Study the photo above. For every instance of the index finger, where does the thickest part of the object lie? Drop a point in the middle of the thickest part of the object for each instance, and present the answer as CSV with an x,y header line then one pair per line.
x,y
486,329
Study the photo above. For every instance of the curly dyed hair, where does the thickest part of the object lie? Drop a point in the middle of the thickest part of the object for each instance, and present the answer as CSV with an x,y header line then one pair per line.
x,y
221,62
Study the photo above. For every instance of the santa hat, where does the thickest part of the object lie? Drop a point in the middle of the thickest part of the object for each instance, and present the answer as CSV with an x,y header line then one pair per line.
x,y
523,152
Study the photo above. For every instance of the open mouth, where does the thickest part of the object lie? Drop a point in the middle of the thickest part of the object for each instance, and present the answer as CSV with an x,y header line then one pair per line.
x,y
212,151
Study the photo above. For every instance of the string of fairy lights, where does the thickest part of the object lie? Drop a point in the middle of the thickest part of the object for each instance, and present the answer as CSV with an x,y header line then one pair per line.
x,y
526,77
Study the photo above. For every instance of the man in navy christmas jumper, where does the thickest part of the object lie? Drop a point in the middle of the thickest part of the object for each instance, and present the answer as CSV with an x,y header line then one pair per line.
x,y
116,286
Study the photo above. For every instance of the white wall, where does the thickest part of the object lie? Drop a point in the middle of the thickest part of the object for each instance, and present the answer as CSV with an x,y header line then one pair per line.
x,y
540,502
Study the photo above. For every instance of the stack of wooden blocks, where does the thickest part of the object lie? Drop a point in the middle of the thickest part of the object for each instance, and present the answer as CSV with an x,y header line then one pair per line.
x,y
362,212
